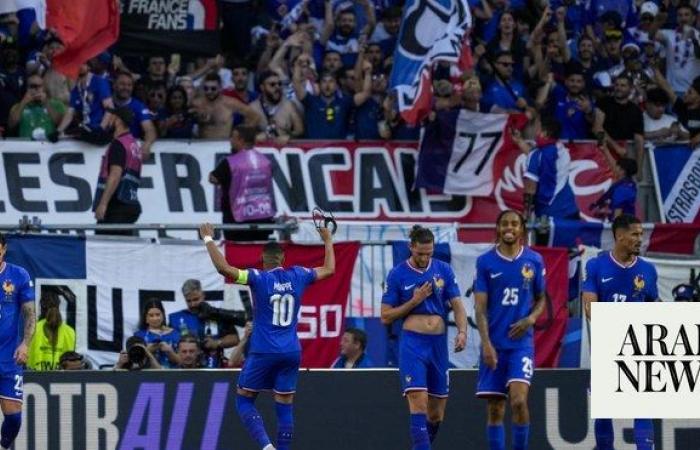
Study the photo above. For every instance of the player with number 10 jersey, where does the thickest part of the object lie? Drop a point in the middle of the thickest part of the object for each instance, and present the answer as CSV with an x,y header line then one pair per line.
x,y
275,353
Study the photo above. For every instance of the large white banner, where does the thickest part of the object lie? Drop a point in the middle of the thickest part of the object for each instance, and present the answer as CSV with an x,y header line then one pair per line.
x,y
56,183
644,360
123,275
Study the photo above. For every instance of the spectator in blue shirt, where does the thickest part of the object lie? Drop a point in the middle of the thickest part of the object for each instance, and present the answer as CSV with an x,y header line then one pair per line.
x,y
369,103
160,339
340,33
570,104
621,198
504,94
547,189
142,126
326,115
353,345
88,100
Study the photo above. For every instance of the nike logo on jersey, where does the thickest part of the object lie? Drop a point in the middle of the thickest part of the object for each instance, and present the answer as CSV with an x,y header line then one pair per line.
x,y
496,275
409,287
605,280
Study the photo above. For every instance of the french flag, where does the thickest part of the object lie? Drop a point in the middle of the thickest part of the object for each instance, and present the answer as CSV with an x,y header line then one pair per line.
x,y
85,27
430,32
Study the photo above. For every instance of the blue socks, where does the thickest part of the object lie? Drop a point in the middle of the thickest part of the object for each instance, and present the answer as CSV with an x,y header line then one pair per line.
x,y
10,429
252,420
419,432
497,437
433,428
644,434
285,425
604,434
520,435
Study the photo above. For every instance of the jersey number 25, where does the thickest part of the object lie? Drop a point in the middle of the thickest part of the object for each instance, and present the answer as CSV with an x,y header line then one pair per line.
x,y
282,309
510,297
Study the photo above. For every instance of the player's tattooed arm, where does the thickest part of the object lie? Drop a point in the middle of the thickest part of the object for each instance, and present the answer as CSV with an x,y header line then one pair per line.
x,y
29,316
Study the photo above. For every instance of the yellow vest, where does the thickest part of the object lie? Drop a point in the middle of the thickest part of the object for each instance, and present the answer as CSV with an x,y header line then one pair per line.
x,y
41,355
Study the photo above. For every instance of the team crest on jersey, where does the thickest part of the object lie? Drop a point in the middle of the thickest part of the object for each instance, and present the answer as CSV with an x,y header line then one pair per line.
x,y
438,282
528,273
638,283
8,288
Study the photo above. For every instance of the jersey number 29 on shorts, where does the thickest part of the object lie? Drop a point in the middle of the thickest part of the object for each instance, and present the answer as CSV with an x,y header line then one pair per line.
x,y
282,309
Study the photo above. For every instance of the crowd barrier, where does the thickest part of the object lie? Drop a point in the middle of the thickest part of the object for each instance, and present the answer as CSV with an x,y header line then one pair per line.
x,y
339,410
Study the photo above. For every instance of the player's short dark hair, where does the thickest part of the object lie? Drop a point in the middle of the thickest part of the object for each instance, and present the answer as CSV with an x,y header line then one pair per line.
x,y
551,126
273,249
623,222
358,336
246,133
629,166
421,235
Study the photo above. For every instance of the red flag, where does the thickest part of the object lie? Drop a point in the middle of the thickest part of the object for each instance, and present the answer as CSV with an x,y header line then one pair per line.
x,y
322,314
86,27
551,325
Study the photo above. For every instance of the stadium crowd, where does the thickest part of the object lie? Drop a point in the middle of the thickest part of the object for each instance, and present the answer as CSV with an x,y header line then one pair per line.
x,y
607,69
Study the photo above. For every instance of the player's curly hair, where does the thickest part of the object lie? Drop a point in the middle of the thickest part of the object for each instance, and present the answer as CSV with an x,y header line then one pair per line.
x,y
517,213
421,235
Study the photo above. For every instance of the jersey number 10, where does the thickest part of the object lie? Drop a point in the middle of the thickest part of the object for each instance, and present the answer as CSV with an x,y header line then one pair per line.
x,y
282,309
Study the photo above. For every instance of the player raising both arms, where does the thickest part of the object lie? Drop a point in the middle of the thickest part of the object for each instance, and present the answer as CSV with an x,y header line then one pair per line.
x,y
275,352
509,291
17,294
421,290
621,276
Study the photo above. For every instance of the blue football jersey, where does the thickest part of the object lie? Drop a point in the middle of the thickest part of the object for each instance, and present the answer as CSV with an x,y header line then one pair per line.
x,y
404,278
613,282
16,289
511,286
277,297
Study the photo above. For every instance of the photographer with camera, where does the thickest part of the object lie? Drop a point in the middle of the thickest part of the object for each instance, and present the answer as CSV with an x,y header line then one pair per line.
x,y
215,328
136,356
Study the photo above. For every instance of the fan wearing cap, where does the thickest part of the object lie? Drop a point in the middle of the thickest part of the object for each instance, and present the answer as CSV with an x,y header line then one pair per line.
x,y
116,199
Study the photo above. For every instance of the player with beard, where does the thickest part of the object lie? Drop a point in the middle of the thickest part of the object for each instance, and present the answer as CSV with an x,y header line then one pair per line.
x,y
621,276
215,111
420,291
280,119
509,291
